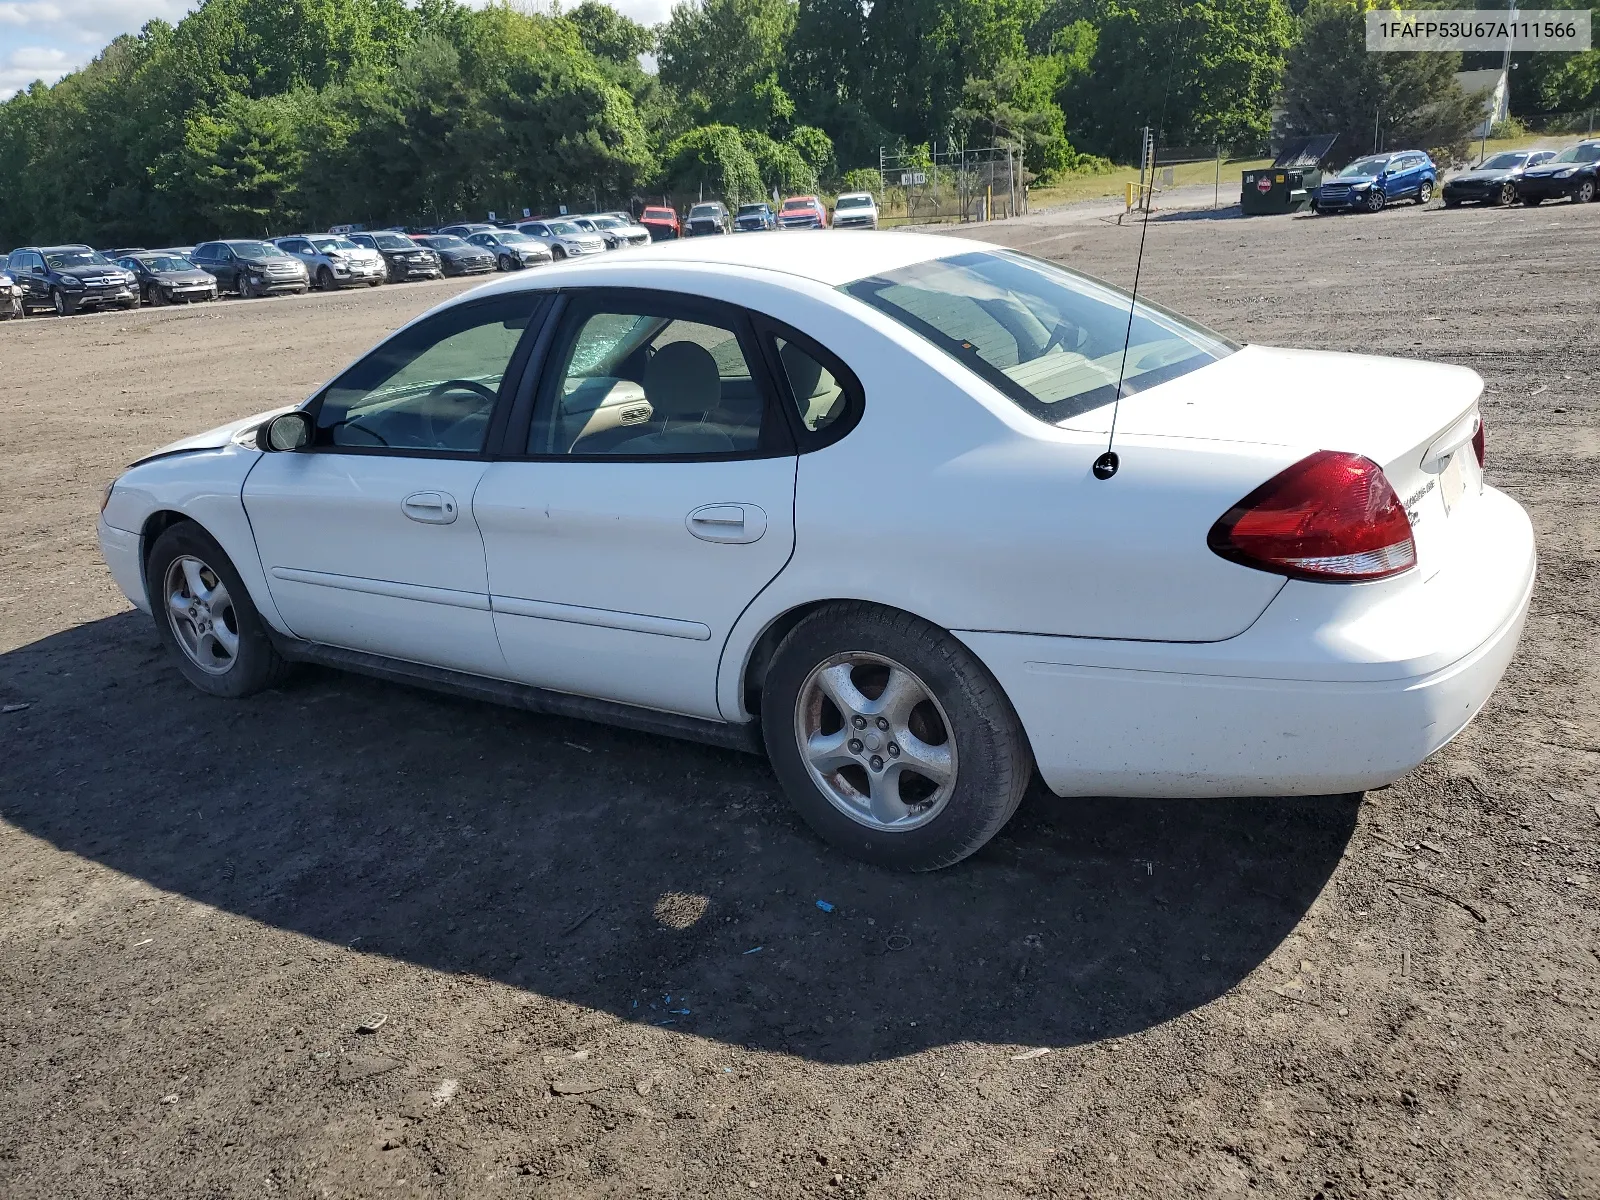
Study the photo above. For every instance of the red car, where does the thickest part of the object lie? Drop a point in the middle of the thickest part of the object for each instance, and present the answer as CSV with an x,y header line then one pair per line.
x,y
662,224
802,212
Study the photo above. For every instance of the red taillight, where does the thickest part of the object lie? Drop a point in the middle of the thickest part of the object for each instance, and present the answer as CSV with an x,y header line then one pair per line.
x,y
1331,516
1478,446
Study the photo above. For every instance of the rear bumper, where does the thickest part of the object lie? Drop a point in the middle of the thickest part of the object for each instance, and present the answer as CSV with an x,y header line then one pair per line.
x,y
121,550
1336,688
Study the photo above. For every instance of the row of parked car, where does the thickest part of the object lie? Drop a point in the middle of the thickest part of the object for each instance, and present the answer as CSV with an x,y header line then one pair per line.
x,y
1510,177
852,210
69,279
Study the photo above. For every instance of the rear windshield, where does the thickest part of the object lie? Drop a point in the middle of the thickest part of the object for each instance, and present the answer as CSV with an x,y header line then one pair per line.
x,y
662,214
1049,338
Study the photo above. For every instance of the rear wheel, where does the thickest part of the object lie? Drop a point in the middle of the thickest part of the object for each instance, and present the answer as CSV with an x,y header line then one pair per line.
x,y
205,618
892,741
1425,192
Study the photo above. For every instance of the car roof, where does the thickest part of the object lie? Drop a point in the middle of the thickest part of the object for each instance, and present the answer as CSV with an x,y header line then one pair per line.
x,y
52,249
794,199
823,256
853,195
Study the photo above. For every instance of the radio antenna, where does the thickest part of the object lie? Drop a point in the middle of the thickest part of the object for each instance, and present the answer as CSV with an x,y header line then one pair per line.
x,y
1106,465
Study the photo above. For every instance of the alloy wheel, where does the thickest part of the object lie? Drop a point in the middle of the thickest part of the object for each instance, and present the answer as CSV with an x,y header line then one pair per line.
x,y
876,741
60,302
1584,192
1508,193
202,615
1425,194
1375,200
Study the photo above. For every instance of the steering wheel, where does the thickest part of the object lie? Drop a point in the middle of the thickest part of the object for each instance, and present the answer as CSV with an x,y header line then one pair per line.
x,y
436,429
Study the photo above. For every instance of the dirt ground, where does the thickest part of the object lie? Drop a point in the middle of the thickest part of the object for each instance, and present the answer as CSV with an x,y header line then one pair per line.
x,y
595,960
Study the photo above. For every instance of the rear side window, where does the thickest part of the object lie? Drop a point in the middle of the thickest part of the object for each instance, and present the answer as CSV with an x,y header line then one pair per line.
x,y
824,392
1050,339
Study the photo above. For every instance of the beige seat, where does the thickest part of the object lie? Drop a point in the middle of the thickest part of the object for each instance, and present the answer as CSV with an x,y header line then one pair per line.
x,y
816,391
682,385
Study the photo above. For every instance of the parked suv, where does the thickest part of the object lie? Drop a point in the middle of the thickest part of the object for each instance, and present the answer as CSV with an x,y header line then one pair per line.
x,y
10,295
1370,183
802,212
1570,173
251,267
69,278
855,210
512,249
402,256
753,217
706,218
564,239
333,261
662,222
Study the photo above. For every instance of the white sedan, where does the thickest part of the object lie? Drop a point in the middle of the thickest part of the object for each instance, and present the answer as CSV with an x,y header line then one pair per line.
x,y
838,499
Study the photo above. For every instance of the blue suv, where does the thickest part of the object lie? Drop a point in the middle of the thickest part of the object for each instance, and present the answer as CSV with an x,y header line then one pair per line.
x,y
1370,183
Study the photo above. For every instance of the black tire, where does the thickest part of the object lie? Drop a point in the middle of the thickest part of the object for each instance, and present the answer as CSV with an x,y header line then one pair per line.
x,y
324,280
1376,200
504,262
60,304
1508,193
247,290
153,297
993,761
557,253
257,664
1584,192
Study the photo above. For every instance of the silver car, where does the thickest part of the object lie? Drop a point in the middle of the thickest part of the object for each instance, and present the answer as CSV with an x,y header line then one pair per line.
x,y
564,238
512,250
333,261
619,234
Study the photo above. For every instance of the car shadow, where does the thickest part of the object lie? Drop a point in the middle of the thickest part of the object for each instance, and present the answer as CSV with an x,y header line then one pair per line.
x,y
613,869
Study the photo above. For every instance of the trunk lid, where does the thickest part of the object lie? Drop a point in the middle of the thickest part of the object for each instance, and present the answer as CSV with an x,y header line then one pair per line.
x,y
1414,419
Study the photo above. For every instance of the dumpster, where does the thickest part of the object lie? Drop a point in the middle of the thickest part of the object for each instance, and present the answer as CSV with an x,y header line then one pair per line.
x,y
1289,184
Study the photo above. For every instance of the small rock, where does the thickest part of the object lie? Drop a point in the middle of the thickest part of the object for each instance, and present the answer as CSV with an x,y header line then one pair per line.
x,y
172,1099
837,1181
574,1087
373,1023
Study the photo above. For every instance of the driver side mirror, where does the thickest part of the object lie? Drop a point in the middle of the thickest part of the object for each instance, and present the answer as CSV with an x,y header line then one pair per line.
x,y
286,431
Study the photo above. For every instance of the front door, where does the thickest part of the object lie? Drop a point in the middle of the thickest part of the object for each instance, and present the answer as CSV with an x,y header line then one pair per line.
x,y
367,535
655,502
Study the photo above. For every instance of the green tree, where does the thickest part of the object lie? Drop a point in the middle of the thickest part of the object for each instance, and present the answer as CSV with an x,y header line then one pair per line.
x,y
722,58
712,160
1201,71
245,164
815,148
1372,101
609,35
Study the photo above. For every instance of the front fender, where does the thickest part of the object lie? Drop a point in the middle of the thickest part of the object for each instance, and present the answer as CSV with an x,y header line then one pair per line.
x,y
207,486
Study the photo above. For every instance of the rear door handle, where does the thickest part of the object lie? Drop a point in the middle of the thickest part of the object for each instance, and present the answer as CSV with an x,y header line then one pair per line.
x,y
431,508
727,522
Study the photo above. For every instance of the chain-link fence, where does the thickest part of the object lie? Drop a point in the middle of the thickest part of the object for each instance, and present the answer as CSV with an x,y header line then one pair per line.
x,y
960,183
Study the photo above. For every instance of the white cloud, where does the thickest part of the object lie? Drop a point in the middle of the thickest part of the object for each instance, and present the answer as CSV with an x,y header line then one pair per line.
x,y
22,66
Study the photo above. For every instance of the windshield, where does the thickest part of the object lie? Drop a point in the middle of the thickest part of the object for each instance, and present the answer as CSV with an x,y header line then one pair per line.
x,y
1049,338
57,259
853,202
445,241
257,250
166,262
392,241
1503,162
703,210
333,243
511,237
660,214
606,223
1578,154
752,210
564,228
1365,166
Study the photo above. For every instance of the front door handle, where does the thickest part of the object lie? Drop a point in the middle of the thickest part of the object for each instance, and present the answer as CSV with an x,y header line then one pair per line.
x,y
431,508
727,522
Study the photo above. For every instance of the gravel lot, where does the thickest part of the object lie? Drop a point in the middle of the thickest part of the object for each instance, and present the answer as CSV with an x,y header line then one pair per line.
x,y
556,926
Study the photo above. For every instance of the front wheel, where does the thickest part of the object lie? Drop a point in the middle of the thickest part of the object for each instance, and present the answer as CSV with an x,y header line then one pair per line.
x,y
324,279
892,741
503,263
205,618
557,253
1584,192
1508,193
59,303
1376,200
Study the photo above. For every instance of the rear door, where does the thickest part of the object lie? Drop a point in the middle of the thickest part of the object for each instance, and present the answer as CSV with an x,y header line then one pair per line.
x,y
367,536
653,500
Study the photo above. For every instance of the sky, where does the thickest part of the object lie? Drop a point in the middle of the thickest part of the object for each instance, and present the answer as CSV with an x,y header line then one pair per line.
x,y
44,39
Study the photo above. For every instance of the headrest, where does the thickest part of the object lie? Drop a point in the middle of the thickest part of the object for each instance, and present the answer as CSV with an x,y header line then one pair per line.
x,y
682,382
